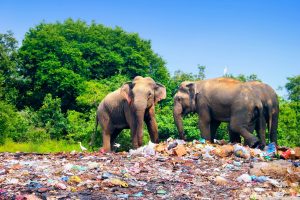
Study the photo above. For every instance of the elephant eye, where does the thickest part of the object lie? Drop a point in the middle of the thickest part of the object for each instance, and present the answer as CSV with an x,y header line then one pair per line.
x,y
149,94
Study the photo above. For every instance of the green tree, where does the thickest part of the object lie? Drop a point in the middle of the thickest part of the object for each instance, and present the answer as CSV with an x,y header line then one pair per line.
x,y
50,117
293,88
8,70
57,58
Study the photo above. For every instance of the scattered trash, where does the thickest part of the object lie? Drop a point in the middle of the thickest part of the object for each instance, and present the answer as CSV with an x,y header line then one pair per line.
x,y
117,182
244,178
241,151
180,150
173,169
224,151
271,149
161,192
221,180
260,179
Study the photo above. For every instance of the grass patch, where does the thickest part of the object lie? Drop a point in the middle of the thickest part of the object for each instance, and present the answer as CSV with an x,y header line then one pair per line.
x,y
48,146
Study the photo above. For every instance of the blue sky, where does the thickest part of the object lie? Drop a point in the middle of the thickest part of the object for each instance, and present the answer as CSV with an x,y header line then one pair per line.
x,y
250,36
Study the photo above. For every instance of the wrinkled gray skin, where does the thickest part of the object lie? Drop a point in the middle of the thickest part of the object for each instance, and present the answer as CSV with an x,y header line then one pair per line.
x,y
220,100
129,107
270,103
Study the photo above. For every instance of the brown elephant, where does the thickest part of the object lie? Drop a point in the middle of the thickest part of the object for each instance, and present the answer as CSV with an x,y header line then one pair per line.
x,y
129,107
269,100
220,100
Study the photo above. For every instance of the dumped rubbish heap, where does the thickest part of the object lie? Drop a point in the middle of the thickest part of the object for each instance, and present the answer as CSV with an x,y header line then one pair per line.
x,y
173,169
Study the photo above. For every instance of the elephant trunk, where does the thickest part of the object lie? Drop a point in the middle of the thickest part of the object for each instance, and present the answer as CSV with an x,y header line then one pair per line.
x,y
139,122
177,114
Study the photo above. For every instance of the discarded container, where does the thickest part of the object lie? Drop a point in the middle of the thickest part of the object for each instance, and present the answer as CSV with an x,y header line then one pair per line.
x,y
286,154
241,151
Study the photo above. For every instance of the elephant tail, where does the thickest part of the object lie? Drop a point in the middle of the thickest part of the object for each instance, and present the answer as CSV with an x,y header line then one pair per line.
x,y
270,118
95,132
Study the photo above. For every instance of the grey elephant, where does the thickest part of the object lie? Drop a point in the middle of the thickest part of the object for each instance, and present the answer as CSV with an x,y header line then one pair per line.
x,y
269,100
129,107
220,100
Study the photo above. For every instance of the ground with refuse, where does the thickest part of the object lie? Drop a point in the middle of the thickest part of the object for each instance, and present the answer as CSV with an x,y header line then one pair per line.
x,y
173,169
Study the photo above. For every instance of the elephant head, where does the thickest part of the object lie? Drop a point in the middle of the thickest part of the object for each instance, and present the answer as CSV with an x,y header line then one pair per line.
x,y
142,94
184,103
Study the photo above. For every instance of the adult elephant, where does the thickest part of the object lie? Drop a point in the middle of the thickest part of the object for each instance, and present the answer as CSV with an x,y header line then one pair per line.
x,y
220,100
269,100
129,107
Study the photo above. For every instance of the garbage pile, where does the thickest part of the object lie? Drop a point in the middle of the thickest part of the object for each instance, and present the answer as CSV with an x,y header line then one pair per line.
x,y
174,169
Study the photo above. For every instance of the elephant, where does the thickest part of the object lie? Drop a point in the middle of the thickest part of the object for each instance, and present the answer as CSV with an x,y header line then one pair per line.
x,y
128,107
220,100
270,104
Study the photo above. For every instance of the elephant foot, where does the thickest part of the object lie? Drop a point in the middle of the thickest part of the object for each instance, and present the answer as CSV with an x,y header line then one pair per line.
x,y
253,142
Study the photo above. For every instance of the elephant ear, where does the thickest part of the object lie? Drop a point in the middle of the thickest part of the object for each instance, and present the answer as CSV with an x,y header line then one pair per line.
x,y
125,91
192,89
160,92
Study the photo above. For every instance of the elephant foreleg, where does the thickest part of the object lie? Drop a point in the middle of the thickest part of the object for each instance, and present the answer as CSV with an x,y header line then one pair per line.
x,y
204,124
213,128
151,125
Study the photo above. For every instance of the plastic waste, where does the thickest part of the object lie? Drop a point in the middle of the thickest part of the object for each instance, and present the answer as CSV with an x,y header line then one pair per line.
x,y
172,145
260,179
207,156
241,151
202,141
139,194
118,182
271,150
60,186
74,179
244,178
286,154
106,175
65,178
123,196
237,163
79,168
161,192
296,164
34,185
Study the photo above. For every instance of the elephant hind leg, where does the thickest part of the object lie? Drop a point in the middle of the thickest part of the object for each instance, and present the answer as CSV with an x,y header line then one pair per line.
x,y
114,135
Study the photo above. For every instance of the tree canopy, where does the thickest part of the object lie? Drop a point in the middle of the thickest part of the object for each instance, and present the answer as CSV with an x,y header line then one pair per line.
x,y
57,58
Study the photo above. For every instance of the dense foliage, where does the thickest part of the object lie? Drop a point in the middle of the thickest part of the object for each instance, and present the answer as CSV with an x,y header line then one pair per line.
x,y
51,85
